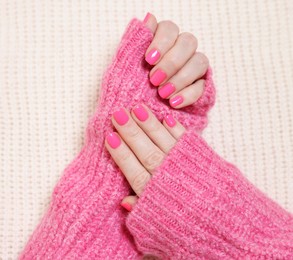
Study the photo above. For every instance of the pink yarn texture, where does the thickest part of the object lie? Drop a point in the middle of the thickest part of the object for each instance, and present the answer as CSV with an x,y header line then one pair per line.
x,y
85,219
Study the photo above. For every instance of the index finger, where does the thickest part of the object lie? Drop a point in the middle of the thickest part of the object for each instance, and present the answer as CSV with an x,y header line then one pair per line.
x,y
135,173
165,37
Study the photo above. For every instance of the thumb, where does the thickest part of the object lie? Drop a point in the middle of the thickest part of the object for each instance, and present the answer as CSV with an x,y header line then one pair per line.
x,y
128,202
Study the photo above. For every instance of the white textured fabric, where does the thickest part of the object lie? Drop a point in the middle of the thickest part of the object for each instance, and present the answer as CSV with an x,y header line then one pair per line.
x,y
53,54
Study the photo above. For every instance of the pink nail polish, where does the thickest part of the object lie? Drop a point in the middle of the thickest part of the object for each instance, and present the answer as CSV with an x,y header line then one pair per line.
x,y
113,140
126,206
153,56
158,77
148,15
170,121
166,90
176,101
121,117
141,113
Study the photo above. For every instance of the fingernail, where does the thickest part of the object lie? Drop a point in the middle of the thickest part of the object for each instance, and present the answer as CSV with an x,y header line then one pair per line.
x,y
169,119
166,90
113,140
153,56
148,15
176,101
126,206
158,77
121,117
141,113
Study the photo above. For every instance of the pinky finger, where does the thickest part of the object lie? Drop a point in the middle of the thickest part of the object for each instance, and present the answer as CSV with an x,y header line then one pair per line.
x,y
175,128
128,202
188,95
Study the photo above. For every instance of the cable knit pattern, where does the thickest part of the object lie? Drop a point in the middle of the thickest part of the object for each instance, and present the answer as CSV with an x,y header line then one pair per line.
x,y
85,219
199,206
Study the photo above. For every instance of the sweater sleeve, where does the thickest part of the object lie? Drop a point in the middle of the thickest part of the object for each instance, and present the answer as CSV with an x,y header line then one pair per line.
x,y
201,107
199,206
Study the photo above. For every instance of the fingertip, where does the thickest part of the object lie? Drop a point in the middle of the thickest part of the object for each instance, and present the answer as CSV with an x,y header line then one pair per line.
x,y
146,18
150,21
189,95
113,140
175,128
128,202
127,206
170,121
177,101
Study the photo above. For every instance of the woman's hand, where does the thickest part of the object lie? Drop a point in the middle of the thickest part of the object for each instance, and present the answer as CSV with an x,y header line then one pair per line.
x,y
140,145
178,67
142,141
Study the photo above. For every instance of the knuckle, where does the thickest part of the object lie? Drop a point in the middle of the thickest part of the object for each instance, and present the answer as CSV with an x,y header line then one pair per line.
x,y
202,59
139,181
153,127
170,26
189,38
153,160
124,157
173,64
133,131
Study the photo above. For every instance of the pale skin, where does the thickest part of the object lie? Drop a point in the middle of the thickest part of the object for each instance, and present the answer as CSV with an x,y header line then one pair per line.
x,y
179,59
143,144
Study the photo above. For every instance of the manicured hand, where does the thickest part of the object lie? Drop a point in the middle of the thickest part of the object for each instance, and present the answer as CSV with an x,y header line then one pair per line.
x,y
178,67
140,145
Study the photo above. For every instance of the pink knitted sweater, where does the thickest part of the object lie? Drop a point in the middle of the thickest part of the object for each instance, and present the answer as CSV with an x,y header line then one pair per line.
x,y
196,206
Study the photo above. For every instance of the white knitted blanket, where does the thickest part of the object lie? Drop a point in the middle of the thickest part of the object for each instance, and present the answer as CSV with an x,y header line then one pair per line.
x,y
53,54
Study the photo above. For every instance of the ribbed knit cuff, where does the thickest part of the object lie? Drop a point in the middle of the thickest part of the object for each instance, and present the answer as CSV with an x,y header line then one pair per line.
x,y
198,205
206,102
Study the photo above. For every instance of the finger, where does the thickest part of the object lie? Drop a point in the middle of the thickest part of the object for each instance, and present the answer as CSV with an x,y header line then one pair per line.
x,y
150,21
144,149
154,129
174,59
188,95
128,202
193,70
135,173
175,128
165,37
